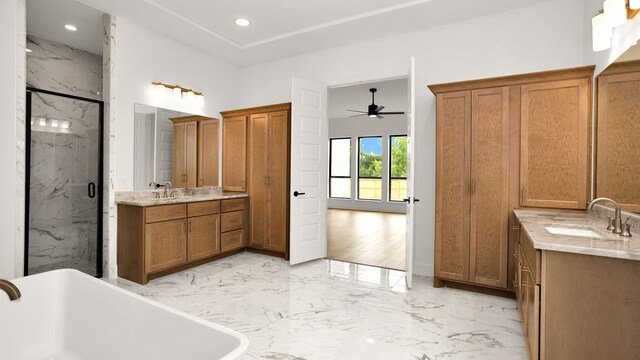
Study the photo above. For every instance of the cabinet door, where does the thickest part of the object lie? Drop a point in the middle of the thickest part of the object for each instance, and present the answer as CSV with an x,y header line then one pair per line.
x,y
258,178
179,155
453,156
533,315
278,180
554,157
191,151
204,237
234,153
489,235
618,148
165,245
523,293
208,145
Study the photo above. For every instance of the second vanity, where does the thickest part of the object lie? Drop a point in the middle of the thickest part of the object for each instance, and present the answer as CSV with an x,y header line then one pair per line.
x,y
160,235
577,286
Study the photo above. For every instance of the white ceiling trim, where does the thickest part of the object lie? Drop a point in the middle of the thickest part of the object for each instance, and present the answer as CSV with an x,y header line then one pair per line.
x,y
288,34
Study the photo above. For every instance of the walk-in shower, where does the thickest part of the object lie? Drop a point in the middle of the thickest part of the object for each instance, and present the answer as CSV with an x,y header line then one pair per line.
x,y
64,152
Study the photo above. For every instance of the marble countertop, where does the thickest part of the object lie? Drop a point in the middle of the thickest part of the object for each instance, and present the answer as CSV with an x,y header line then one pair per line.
x,y
535,223
148,197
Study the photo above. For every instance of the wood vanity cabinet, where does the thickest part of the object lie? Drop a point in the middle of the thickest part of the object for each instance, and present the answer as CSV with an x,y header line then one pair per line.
x,y
499,143
618,130
268,164
234,152
195,151
154,241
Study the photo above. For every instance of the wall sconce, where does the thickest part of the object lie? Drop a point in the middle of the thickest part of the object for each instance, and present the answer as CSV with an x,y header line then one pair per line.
x,y
614,14
179,93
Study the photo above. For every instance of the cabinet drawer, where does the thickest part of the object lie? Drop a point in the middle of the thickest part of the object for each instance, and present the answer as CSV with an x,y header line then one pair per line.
x,y
203,208
532,255
232,240
165,212
232,221
232,205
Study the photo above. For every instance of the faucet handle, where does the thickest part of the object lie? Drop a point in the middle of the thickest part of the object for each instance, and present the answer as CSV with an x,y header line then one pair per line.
x,y
626,229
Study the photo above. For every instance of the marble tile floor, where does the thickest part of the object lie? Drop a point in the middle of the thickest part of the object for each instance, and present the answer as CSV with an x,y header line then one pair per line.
x,y
329,309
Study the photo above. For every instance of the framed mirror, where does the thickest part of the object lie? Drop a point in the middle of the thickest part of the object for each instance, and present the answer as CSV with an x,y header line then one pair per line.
x,y
617,131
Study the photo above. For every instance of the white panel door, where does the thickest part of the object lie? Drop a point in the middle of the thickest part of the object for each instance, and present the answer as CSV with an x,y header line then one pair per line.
x,y
411,166
309,147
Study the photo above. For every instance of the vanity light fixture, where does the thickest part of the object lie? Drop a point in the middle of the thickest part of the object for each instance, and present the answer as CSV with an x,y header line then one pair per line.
x,y
180,94
71,27
614,14
242,22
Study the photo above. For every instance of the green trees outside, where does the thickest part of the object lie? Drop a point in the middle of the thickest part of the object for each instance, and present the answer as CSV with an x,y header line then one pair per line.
x,y
399,157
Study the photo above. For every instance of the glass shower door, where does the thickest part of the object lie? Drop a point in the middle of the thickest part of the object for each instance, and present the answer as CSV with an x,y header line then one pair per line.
x,y
63,183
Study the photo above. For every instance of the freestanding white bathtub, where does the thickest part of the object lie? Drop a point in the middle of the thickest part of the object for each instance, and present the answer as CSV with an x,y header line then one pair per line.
x,y
67,315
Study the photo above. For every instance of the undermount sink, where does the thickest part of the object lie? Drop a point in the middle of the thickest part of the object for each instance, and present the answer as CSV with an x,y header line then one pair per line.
x,y
574,230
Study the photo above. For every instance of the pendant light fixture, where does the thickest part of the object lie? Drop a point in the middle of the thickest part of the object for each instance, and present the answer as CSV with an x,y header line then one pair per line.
x,y
614,13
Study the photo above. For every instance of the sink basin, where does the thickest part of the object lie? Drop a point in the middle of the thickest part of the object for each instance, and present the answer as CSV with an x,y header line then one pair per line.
x,y
65,314
580,231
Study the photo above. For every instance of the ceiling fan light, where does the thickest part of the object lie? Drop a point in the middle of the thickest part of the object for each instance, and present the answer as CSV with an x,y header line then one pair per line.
x,y
373,115
615,12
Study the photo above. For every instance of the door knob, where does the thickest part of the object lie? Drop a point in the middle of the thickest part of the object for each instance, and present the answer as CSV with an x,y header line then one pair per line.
x,y
296,194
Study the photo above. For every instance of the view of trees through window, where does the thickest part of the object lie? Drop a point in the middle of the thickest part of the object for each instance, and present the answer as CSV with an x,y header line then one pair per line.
x,y
398,176
370,168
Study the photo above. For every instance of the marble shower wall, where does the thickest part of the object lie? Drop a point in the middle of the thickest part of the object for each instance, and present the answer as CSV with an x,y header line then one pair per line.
x,y
63,219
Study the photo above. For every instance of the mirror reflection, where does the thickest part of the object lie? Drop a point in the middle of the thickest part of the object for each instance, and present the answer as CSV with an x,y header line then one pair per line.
x,y
618,131
176,147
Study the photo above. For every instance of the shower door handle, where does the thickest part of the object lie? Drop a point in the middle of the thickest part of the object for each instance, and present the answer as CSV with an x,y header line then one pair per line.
x,y
91,190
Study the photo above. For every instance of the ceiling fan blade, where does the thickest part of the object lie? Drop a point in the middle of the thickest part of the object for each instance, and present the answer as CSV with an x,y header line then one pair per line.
x,y
392,113
358,111
358,115
379,108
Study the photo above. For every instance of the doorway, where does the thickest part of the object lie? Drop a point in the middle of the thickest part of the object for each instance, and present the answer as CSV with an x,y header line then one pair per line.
x,y
366,220
63,189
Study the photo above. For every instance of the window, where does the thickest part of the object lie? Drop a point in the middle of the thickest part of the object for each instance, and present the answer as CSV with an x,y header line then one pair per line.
x,y
340,168
370,168
398,168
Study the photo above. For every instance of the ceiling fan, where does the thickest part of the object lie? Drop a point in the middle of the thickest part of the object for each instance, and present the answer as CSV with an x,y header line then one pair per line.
x,y
375,111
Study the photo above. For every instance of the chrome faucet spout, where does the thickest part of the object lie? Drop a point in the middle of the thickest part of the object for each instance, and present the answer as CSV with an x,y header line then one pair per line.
x,y
617,221
10,289
166,186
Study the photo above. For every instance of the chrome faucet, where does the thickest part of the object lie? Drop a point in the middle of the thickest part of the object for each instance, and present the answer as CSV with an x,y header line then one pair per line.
x,y
10,289
166,186
615,224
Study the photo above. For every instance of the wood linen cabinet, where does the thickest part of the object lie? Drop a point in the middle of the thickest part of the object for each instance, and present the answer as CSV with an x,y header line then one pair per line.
x,y
503,143
234,152
195,151
472,181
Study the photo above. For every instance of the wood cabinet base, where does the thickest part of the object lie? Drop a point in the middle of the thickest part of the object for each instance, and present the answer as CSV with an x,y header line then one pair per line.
x,y
483,289
193,264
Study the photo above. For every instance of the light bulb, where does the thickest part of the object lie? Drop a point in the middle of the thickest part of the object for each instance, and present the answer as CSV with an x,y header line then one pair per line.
x,y
634,4
601,32
42,122
65,124
177,93
200,100
54,123
191,96
615,12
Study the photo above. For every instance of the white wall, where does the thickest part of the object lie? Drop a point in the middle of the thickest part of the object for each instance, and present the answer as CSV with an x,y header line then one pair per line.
x,y
545,36
365,126
143,57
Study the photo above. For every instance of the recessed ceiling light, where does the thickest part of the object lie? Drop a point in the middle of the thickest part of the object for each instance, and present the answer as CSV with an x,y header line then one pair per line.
x,y
28,50
243,22
70,27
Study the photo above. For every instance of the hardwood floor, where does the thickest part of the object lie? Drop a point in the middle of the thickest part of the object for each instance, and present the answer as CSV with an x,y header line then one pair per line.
x,y
366,237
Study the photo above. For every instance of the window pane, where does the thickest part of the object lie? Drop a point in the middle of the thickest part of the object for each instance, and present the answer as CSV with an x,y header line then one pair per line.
x,y
370,189
340,157
370,157
398,156
398,190
340,188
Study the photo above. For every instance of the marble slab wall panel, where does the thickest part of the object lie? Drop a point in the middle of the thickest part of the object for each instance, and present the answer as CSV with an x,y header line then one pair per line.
x,y
21,100
109,95
61,68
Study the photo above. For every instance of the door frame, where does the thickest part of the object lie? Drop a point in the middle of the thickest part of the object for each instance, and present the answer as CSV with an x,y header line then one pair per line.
x,y
27,174
363,81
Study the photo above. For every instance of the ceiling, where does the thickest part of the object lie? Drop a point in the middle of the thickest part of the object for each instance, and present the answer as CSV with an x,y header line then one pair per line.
x,y
279,29
392,94
284,28
47,18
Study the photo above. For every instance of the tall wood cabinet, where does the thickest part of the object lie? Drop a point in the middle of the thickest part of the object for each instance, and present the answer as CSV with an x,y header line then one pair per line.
x,y
503,143
234,152
267,175
618,130
195,151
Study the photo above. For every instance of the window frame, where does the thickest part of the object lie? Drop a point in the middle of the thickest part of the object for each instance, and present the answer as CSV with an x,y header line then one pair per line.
x,y
331,163
358,177
390,159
